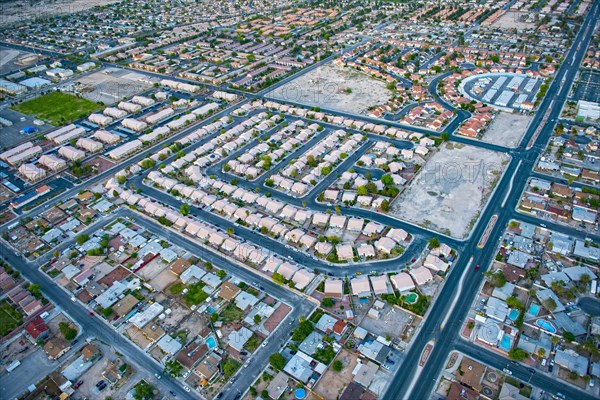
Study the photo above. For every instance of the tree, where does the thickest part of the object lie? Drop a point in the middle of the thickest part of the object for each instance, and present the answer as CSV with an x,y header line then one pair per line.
x,y
337,366
257,319
230,231
445,136
81,239
107,312
387,180
173,368
517,354
513,302
568,336
184,209
541,352
221,274
121,179
143,391
327,302
67,331
277,277
277,361
434,243
229,367
497,279
549,304
362,190
385,206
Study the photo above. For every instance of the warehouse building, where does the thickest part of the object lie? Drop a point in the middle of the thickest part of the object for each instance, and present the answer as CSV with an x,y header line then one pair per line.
x,y
142,101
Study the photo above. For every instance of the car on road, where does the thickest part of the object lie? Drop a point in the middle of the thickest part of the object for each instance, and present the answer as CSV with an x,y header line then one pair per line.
x,y
266,342
219,395
533,371
91,313
79,383
507,371
172,393
477,267
187,389
157,376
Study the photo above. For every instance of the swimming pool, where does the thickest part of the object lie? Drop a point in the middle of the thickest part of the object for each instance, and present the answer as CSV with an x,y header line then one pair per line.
x,y
300,393
534,309
211,342
513,315
210,310
505,343
546,325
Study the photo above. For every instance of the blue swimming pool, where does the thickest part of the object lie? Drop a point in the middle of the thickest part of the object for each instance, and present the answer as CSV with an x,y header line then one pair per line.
x,y
513,315
548,326
211,342
300,393
505,343
210,310
534,309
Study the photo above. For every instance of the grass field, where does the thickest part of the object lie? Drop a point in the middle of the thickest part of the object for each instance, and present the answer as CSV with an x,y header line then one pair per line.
x,y
58,108
9,318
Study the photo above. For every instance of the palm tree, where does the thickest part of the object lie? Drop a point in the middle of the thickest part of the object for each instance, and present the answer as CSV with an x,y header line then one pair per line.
x,y
541,352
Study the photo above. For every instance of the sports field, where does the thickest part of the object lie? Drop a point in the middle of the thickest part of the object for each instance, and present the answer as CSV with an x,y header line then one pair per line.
x,y
58,108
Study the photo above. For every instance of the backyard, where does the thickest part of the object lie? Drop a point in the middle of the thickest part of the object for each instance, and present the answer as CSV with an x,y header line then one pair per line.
x,y
9,318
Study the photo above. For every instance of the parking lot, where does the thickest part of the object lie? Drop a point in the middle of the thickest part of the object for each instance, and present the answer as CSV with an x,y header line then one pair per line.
x,y
11,135
502,90
587,87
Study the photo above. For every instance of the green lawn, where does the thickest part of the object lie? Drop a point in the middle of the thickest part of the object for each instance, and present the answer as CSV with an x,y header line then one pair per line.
x,y
231,313
9,318
58,108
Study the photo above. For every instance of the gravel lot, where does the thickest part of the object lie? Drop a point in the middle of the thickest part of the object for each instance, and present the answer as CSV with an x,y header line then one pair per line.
x,y
512,19
451,189
326,87
333,383
507,129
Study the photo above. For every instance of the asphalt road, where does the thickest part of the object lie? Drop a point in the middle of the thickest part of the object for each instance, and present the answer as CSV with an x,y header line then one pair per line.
x,y
93,326
539,379
445,336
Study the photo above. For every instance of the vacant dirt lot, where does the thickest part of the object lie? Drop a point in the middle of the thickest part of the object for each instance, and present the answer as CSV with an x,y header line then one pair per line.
x,y
513,19
111,85
451,189
334,87
507,129
333,383
17,11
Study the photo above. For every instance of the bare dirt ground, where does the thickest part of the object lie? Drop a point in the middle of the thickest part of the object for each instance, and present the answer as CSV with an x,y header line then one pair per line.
x,y
333,383
334,87
451,189
18,11
507,129
392,322
513,19
111,85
